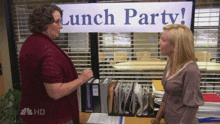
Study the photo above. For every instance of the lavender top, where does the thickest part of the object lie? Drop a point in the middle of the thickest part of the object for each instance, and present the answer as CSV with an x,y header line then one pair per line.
x,y
182,95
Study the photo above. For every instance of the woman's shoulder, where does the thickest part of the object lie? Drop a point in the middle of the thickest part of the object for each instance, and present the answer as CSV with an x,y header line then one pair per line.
x,y
35,39
39,37
191,68
36,44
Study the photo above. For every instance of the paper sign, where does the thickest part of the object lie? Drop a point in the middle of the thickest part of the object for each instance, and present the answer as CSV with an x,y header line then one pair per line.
x,y
124,17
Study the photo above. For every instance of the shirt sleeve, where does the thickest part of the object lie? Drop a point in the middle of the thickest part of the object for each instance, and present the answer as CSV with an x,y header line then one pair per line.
x,y
51,69
164,97
189,114
192,96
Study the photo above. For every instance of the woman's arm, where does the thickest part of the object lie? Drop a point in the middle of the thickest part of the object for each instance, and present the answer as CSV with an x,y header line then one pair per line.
x,y
159,115
192,96
189,115
59,90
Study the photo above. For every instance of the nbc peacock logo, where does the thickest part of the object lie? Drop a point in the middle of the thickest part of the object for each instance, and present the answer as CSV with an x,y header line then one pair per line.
x,y
26,111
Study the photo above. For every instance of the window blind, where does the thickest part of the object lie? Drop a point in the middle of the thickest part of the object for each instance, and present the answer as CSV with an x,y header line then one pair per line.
x,y
206,35
134,45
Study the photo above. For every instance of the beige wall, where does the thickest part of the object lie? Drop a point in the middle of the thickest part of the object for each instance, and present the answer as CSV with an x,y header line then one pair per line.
x,y
6,67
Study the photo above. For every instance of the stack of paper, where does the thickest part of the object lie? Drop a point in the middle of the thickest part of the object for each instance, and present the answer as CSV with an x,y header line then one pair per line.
x,y
158,101
211,107
158,90
103,118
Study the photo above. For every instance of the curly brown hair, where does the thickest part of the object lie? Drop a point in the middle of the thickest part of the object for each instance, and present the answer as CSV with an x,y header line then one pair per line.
x,y
41,17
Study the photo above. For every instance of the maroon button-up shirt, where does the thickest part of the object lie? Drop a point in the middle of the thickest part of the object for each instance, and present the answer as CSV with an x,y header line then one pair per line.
x,y
42,61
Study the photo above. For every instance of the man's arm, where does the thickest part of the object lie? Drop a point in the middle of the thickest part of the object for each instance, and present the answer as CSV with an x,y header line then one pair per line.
x,y
59,90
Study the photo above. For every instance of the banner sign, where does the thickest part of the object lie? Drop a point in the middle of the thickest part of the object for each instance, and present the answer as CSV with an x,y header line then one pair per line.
x,y
124,17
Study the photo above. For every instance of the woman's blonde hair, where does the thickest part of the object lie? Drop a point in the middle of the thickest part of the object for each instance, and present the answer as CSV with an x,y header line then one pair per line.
x,y
182,38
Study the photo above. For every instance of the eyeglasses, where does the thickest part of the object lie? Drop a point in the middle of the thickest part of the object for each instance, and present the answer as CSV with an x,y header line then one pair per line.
x,y
58,21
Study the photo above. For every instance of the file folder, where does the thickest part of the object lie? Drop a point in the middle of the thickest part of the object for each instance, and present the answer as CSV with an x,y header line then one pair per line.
x,y
139,96
86,94
128,95
104,84
116,99
111,97
210,119
158,85
96,96
121,96
211,97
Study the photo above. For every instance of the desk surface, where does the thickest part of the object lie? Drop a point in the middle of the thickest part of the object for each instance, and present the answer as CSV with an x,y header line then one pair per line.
x,y
84,117
160,65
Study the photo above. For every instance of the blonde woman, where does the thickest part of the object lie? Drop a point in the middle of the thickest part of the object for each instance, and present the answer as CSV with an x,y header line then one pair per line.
x,y
181,78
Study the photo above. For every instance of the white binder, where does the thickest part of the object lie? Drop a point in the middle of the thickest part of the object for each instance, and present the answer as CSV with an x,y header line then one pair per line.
x,y
104,84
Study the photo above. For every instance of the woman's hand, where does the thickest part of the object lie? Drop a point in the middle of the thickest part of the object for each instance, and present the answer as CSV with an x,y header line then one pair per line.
x,y
86,75
154,121
66,52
